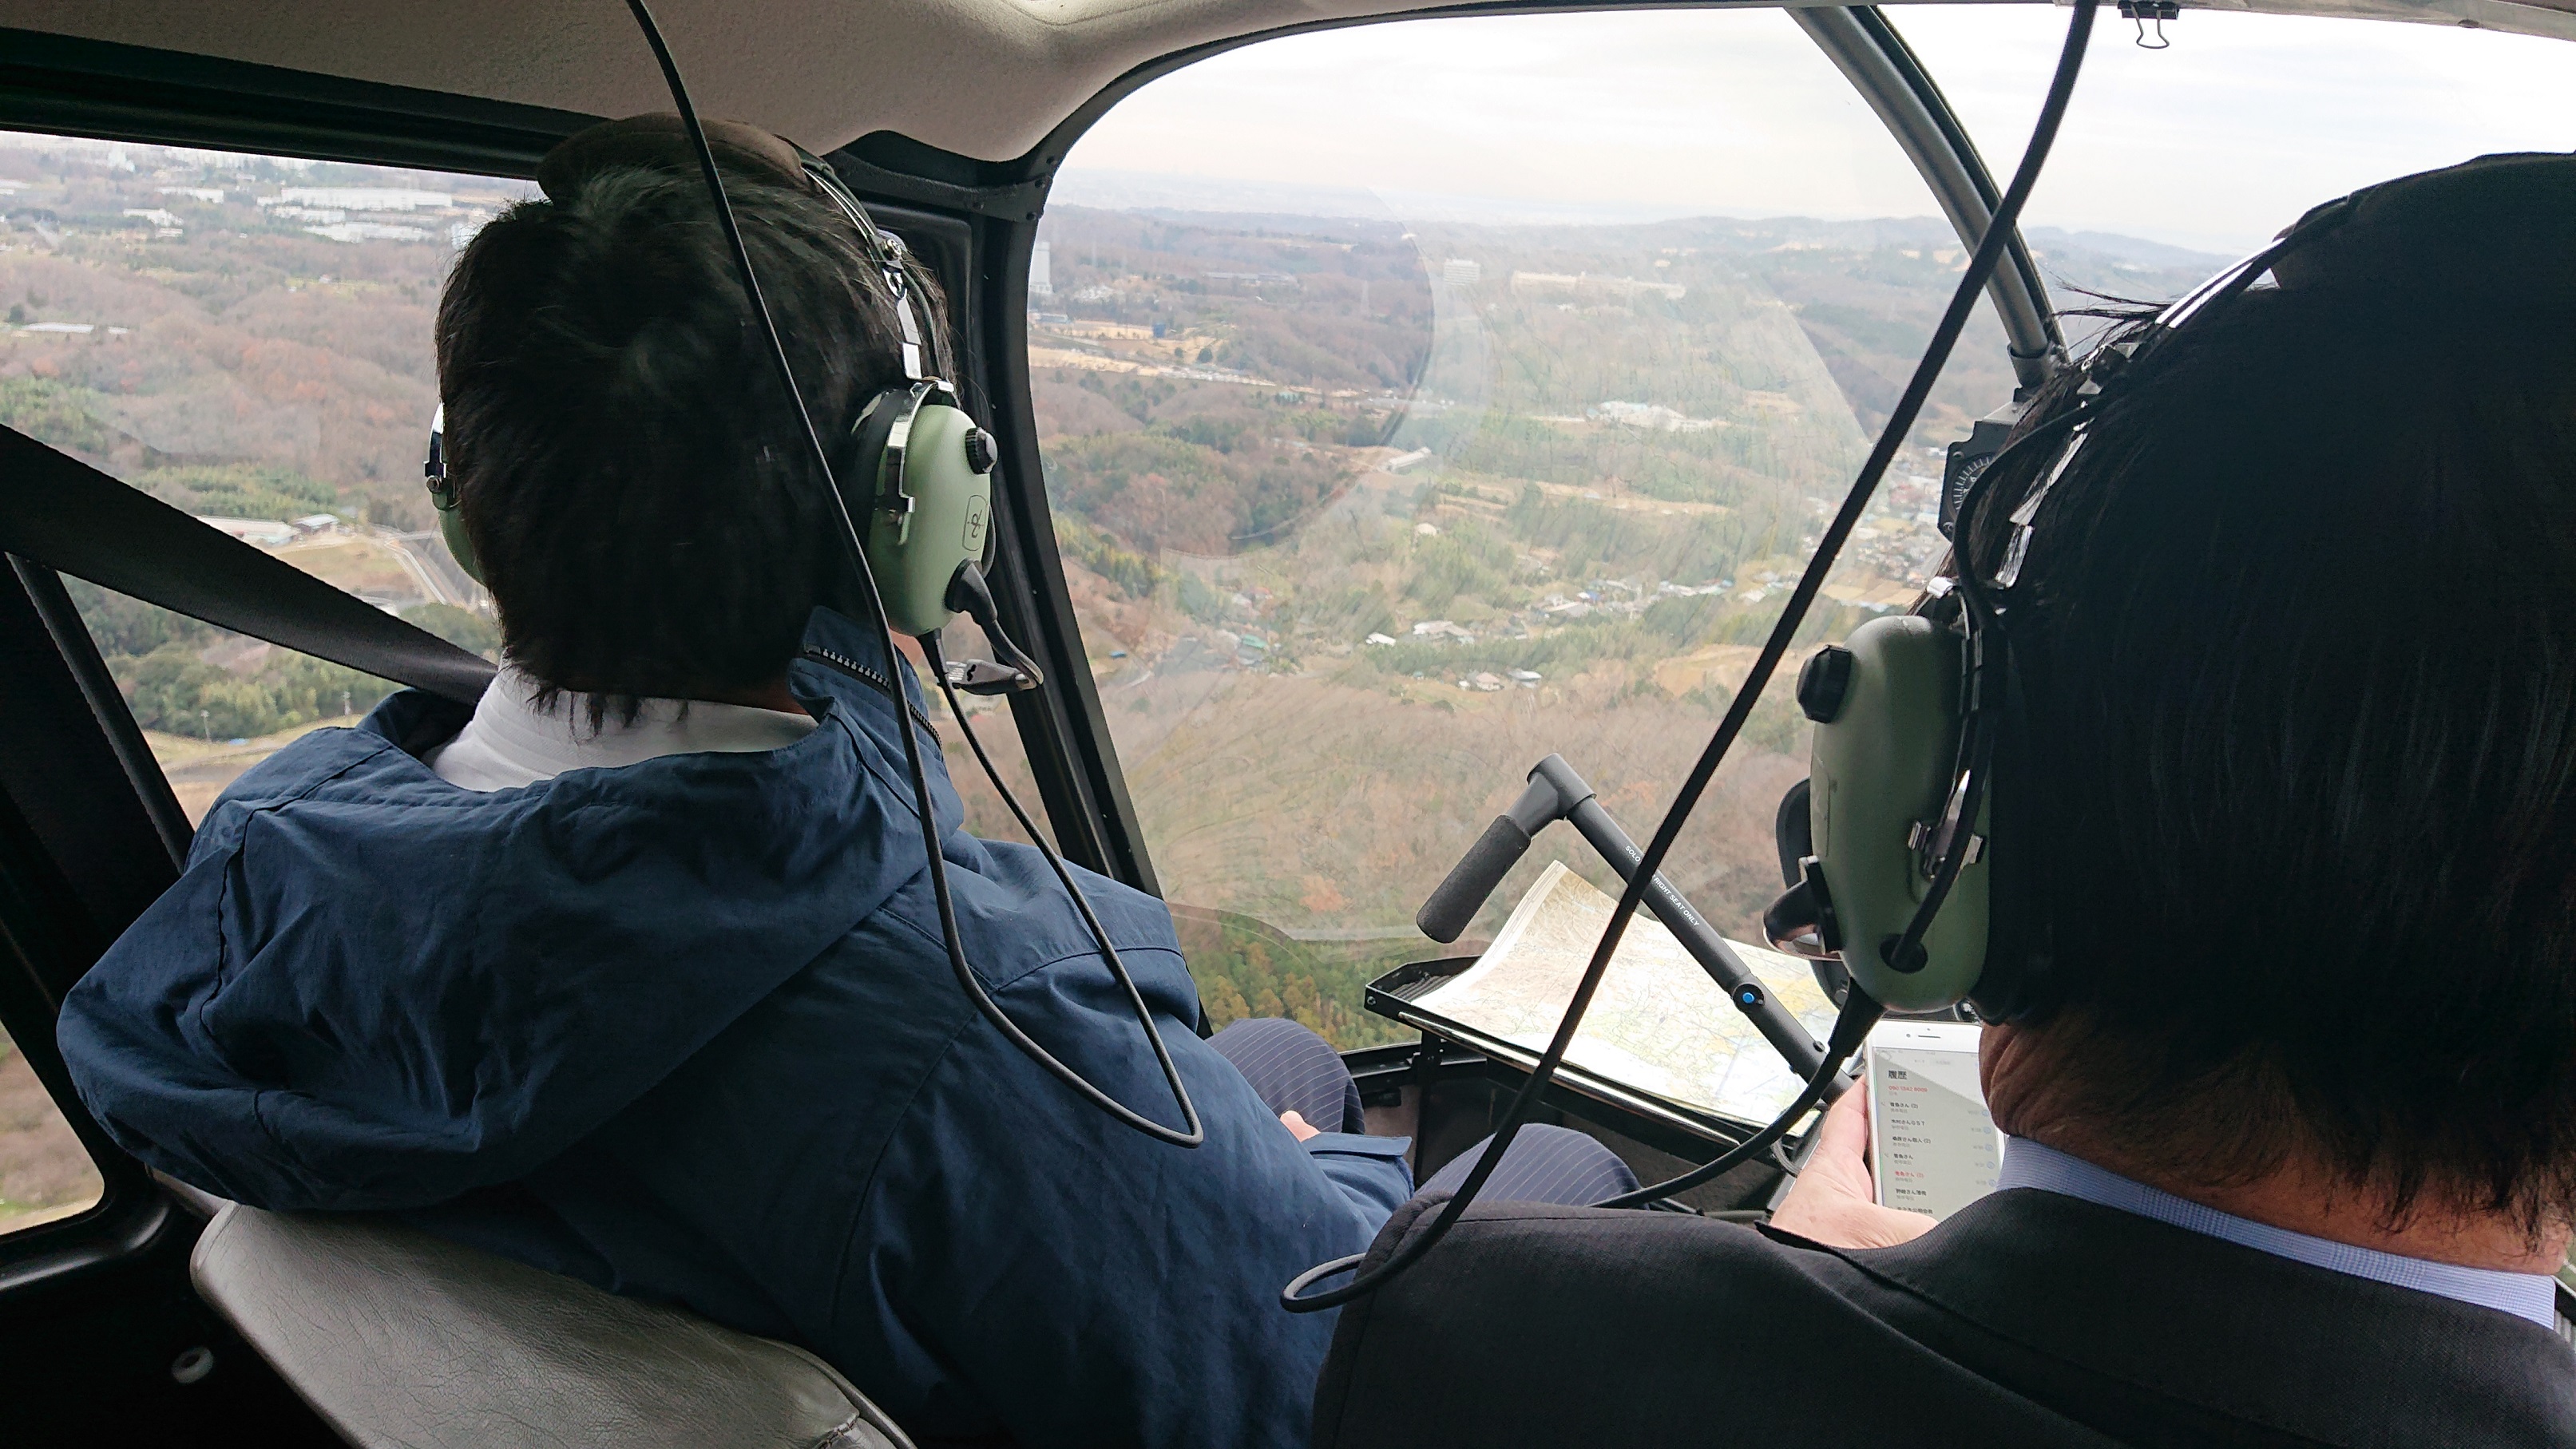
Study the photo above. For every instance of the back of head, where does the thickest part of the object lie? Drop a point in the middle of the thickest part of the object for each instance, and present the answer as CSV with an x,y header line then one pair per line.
x,y
635,483
2290,811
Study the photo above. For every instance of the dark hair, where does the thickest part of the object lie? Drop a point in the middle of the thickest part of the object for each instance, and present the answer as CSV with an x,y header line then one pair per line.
x,y
632,476
2292,790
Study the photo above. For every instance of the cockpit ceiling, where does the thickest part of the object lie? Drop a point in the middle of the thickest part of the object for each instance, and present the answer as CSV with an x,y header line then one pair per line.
x,y
987,79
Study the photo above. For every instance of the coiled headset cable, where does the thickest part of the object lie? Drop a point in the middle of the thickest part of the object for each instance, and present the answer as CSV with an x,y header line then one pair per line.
x,y
1192,1132
1859,1012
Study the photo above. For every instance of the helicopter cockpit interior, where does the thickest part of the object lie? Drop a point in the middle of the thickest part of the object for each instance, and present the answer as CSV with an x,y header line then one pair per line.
x,y
1392,430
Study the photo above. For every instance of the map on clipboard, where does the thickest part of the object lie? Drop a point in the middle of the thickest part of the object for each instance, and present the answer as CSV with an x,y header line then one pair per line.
x,y
1658,1024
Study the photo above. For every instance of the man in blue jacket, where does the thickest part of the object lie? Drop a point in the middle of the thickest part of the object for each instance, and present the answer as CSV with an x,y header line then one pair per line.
x,y
635,972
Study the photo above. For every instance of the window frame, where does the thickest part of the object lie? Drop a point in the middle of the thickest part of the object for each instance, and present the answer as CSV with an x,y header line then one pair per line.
x,y
79,848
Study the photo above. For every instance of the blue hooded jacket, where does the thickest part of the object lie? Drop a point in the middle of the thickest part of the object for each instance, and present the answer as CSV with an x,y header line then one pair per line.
x,y
685,1029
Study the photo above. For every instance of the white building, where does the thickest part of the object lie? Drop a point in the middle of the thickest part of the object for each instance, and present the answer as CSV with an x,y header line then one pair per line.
x,y
358,231
1041,271
1460,272
1652,415
361,198
253,530
1582,283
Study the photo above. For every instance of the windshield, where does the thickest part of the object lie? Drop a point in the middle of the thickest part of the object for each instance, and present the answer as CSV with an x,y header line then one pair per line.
x,y
1421,399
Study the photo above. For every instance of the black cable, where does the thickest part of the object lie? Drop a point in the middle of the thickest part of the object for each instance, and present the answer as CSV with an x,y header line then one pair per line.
x,y
1990,249
1194,1133
1851,1027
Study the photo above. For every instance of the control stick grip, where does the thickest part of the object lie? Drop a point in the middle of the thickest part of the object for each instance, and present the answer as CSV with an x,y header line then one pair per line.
x,y
1483,867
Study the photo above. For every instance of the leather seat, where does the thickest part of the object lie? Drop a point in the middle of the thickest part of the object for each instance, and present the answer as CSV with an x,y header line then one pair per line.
x,y
397,1338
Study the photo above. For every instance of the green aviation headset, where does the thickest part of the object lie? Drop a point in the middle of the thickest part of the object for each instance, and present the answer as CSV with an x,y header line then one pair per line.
x,y
921,481
1893,884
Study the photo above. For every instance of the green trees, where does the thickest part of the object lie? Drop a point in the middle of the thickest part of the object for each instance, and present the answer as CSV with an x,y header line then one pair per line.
x,y
467,631
242,490
1133,574
1245,967
1173,486
1465,560
187,678
50,412
174,690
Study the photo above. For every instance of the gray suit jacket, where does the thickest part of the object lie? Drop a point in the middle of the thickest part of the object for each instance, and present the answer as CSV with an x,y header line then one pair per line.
x,y
2028,1318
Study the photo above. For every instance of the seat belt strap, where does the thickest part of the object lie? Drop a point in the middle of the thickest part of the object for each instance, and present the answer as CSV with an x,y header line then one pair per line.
x,y
74,519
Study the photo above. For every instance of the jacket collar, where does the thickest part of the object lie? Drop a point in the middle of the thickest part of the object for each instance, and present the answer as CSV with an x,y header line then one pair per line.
x,y
839,674
2320,1354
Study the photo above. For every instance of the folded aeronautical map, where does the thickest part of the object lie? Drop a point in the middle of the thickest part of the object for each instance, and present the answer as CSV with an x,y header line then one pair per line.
x,y
1658,1025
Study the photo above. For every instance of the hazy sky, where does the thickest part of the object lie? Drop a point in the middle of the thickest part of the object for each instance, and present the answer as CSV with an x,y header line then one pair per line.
x,y
2215,143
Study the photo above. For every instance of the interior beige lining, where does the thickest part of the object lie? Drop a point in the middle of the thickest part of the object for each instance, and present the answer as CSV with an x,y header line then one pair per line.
x,y
984,78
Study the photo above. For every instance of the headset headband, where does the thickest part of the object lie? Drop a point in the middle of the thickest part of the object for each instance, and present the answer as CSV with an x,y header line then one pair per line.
x,y
884,248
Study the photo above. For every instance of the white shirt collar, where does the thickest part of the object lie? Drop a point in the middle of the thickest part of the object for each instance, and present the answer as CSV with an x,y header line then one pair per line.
x,y
510,742
2525,1295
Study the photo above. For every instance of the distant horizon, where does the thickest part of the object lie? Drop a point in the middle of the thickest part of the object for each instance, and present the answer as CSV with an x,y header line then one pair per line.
x,y
2212,145
1113,189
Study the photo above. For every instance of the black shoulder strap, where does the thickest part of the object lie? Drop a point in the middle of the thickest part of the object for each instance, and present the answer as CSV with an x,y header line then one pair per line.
x,y
60,512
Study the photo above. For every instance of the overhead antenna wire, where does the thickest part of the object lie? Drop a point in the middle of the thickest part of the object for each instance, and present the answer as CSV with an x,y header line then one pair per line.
x,y
1859,1012
1194,1132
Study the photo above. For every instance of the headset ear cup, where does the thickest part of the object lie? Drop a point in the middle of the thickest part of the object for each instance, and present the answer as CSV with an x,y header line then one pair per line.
x,y
1886,743
460,544
442,499
922,496
860,484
